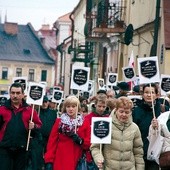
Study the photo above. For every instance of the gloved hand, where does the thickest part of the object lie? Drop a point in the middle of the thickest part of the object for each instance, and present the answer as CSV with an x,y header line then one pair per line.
x,y
48,166
76,138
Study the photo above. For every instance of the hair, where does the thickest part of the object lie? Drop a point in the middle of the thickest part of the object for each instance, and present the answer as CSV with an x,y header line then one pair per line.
x,y
110,91
84,106
70,100
17,85
152,85
111,103
124,102
101,98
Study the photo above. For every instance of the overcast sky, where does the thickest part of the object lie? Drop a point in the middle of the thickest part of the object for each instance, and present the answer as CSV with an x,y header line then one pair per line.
x,y
37,12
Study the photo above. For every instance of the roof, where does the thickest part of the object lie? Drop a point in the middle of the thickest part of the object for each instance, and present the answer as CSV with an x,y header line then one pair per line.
x,y
24,46
64,18
50,38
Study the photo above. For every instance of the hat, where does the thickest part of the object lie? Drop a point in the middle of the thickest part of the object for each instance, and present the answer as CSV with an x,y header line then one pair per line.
x,y
101,91
136,88
45,99
123,86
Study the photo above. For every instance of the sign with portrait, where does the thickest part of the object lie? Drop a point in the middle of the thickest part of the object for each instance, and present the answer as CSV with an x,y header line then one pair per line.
x,y
148,70
35,93
165,84
112,79
101,85
129,73
101,130
80,78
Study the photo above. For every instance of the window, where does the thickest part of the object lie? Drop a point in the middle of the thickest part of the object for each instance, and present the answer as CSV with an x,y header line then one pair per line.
x,y
31,75
18,72
4,73
43,75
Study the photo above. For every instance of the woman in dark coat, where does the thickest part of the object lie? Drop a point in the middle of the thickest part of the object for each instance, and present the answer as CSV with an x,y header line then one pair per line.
x,y
143,115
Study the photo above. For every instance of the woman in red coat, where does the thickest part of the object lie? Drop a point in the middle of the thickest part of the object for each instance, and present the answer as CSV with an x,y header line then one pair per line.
x,y
70,135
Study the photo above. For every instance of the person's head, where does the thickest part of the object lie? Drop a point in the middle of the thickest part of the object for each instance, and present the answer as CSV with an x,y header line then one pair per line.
x,y
16,93
123,109
71,106
111,103
45,102
101,103
123,87
52,105
136,90
150,92
110,93
84,109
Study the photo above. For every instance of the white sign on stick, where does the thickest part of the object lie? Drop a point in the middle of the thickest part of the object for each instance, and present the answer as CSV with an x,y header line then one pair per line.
x,y
165,84
129,73
22,81
35,93
80,78
101,130
57,96
112,79
148,70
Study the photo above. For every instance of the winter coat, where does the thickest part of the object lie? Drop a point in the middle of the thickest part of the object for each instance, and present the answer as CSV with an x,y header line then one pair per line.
x,y
14,124
142,116
125,151
62,151
48,118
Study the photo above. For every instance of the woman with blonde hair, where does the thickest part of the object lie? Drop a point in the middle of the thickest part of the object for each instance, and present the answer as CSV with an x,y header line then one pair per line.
x,y
126,148
69,136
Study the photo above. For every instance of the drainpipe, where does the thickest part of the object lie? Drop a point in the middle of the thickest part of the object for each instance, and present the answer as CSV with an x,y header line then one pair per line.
x,y
72,27
156,30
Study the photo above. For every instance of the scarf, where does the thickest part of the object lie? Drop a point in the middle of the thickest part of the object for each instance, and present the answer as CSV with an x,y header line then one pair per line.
x,y
67,124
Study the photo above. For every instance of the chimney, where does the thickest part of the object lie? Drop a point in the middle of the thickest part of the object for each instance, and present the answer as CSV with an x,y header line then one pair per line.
x,y
45,27
11,28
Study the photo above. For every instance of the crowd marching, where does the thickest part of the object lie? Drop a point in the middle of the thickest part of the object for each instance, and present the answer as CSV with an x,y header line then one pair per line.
x,y
61,134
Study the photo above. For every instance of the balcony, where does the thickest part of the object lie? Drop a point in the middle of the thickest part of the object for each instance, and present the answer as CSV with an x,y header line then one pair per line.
x,y
105,18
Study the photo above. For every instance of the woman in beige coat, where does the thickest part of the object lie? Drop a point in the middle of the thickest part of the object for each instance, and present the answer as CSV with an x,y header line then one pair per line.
x,y
126,149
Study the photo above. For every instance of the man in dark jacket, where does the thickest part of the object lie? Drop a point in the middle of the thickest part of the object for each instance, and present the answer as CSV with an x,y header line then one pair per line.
x,y
14,125
48,118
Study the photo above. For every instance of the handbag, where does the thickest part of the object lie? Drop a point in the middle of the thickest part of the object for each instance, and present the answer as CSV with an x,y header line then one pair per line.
x,y
84,165
164,160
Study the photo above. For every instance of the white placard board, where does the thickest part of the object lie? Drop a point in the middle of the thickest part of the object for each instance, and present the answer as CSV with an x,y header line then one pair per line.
x,y
57,96
148,70
165,84
129,73
22,81
101,84
135,99
112,79
35,93
80,78
101,130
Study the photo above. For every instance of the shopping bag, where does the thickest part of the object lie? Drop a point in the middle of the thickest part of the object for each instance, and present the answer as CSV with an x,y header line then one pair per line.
x,y
155,146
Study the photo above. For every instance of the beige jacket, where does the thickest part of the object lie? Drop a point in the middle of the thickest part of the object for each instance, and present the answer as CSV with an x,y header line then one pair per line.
x,y
126,149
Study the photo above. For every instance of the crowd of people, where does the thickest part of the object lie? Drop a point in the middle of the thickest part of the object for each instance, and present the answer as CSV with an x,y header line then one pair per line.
x,y
60,135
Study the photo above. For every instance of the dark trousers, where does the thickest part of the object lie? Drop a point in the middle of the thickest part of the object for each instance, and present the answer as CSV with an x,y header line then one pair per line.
x,y
13,159
151,165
